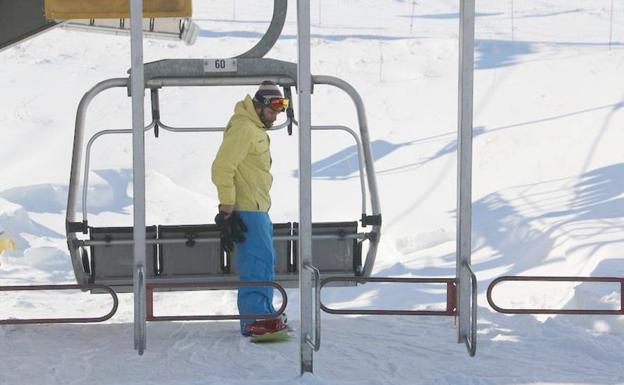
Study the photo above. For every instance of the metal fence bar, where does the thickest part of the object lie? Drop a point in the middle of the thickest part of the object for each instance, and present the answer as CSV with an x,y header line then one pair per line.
x,y
451,309
137,93
150,287
87,242
464,164
315,343
304,91
556,311
471,343
61,320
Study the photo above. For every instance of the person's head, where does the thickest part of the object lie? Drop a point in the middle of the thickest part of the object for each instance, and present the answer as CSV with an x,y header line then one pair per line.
x,y
269,102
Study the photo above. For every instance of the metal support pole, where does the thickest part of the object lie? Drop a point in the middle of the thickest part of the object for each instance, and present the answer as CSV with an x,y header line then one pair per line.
x,y
611,26
512,21
304,82
464,166
137,90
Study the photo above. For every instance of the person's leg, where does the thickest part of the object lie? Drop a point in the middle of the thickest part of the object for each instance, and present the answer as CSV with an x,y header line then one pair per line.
x,y
255,261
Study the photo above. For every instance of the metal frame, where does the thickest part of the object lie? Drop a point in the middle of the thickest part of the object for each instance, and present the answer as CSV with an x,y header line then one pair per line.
x,y
189,72
270,37
30,321
556,311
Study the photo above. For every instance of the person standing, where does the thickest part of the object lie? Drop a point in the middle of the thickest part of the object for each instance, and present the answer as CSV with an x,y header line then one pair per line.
x,y
241,173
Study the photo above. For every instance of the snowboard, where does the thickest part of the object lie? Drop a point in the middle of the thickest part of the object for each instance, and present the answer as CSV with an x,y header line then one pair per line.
x,y
277,336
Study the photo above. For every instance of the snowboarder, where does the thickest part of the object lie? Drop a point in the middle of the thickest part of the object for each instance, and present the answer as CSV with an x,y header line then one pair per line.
x,y
241,173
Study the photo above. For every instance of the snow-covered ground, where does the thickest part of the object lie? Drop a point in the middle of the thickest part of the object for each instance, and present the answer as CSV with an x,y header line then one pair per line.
x,y
548,194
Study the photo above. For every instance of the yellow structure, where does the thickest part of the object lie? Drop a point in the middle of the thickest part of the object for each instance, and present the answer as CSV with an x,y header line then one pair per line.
x,y
6,243
114,9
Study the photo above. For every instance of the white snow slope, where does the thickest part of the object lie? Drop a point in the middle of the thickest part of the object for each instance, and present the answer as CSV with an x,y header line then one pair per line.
x,y
547,194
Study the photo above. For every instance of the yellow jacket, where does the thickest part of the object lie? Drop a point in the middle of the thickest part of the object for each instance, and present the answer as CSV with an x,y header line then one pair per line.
x,y
242,169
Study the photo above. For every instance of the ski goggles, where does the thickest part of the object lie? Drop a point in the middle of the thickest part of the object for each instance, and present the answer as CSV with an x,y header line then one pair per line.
x,y
278,104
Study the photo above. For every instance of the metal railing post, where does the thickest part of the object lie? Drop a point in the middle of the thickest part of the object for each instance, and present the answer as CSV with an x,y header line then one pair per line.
x,y
137,91
464,167
304,82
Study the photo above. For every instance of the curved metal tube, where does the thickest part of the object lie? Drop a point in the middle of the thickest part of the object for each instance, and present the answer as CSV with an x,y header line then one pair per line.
x,y
233,285
471,343
103,318
74,178
370,161
85,178
315,343
211,129
359,146
280,8
556,279
451,311
140,315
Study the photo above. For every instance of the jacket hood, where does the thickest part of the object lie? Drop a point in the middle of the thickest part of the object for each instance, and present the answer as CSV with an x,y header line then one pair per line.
x,y
245,109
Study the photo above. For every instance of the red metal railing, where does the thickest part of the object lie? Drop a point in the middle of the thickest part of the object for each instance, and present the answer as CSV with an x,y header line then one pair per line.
x,y
451,295
556,279
150,287
60,320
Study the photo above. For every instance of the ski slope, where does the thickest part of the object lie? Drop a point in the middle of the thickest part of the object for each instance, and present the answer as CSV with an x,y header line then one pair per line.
x,y
548,194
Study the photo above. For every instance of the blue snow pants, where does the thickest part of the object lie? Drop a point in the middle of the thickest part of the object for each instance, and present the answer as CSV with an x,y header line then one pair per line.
x,y
255,261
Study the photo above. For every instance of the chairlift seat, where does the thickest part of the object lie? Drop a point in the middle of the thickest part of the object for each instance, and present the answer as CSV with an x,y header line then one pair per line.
x,y
337,256
113,263
198,261
191,257
283,251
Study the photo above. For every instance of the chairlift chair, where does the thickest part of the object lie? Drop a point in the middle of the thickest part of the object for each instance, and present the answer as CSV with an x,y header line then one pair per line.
x,y
192,253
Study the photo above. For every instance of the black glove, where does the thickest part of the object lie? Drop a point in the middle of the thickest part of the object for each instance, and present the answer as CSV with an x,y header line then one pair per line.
x,y
232,230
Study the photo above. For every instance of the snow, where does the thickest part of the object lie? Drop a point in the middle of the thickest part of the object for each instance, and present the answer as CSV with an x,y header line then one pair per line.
x,y
548,194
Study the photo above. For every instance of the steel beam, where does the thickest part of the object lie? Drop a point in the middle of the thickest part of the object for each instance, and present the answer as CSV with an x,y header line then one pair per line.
x,y
464,168
304,82
137,91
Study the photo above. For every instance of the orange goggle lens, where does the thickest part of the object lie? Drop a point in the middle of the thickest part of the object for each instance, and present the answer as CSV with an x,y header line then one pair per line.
x,y
279,104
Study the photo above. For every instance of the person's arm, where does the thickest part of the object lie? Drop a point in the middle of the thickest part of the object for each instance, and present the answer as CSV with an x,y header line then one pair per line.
x,y
237,142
